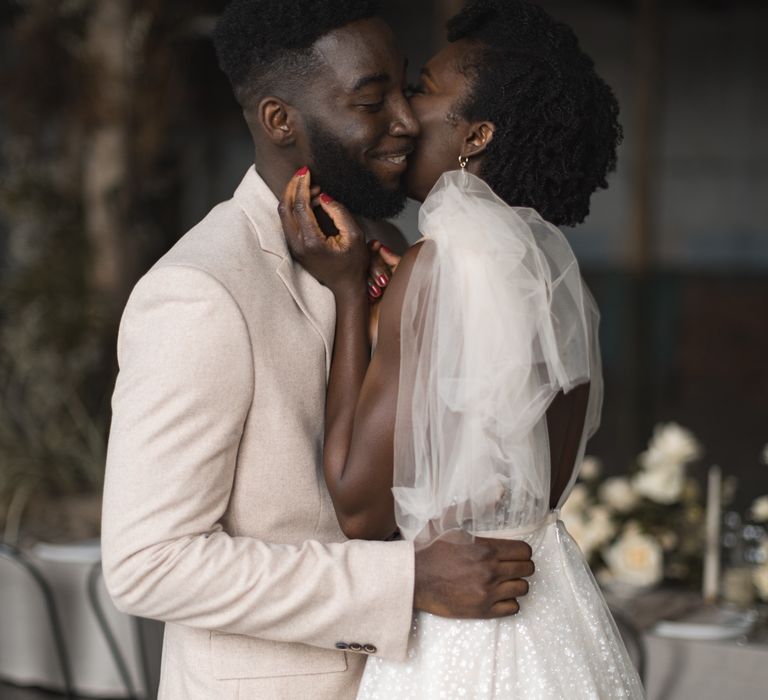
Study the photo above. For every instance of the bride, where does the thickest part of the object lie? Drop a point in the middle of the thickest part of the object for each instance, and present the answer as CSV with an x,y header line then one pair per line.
x,y
472,415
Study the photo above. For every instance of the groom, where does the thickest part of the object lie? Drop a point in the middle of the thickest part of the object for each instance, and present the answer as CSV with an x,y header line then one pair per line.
x,y
216,517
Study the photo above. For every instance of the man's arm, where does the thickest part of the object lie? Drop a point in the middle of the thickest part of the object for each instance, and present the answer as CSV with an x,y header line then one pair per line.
x,y
182,397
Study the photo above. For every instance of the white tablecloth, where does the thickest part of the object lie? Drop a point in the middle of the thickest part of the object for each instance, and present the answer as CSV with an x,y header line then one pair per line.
x,y
681,669
27,652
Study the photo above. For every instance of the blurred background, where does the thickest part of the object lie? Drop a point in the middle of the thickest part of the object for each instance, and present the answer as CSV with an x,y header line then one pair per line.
x,y
118,133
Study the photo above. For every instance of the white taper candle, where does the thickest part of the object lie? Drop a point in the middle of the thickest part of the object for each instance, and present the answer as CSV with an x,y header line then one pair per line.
x,y
711,585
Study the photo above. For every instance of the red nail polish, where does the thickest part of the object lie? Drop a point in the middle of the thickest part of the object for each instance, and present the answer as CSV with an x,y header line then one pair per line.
x,y
326,198
382,280
301,172
385,249
375,292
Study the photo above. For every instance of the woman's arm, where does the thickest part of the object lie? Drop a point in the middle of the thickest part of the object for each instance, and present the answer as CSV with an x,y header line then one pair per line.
x,y
360,414
362,393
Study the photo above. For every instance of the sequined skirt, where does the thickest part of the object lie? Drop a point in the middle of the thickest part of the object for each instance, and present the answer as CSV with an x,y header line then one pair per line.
x,y
563,644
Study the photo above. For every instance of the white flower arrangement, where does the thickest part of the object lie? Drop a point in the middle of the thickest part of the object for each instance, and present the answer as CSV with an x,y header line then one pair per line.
x,y
638,529
661,477
671,444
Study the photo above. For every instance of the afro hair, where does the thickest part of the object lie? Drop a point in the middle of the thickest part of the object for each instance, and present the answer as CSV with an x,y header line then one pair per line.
x,y
556,120
262,44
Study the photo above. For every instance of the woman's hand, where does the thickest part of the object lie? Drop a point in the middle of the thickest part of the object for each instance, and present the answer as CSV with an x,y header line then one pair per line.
x,y
339,262
382,266
383,263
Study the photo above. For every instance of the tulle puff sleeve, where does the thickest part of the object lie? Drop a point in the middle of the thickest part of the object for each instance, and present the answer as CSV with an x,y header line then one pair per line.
x,y
496,321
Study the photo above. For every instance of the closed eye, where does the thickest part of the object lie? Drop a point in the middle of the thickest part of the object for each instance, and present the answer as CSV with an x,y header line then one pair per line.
x,y
372,106
414,89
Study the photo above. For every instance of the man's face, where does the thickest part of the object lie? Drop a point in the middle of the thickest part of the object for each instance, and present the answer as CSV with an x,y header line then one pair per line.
x,y
359,125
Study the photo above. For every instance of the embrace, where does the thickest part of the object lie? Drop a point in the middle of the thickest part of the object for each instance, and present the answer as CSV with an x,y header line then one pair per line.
x,y
334,472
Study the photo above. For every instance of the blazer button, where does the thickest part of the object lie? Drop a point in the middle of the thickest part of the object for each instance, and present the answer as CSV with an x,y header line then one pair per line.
x,y
369,649
342,645
354,646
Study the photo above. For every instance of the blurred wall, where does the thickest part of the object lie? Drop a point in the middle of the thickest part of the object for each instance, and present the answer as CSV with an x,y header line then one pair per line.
x,y
683,332
676,250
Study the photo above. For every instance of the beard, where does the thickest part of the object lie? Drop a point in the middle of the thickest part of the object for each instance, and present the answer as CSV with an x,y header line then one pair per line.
x,y
347,180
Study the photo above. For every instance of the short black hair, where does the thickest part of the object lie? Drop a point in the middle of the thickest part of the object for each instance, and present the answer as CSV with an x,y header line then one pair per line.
x,y
557,127
266,45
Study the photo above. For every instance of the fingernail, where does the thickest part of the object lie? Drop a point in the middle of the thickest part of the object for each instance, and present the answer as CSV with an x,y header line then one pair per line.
x,y
382,280
301,172
374,291
326,198
385,249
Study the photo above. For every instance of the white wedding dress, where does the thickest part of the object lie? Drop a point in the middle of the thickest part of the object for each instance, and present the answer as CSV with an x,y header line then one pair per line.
x,y
496,322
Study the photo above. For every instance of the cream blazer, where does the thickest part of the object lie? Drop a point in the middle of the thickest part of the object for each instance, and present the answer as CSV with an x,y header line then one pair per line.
x,y
216,517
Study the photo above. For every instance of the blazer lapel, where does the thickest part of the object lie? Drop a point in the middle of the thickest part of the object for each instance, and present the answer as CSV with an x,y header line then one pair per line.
x,y
315,301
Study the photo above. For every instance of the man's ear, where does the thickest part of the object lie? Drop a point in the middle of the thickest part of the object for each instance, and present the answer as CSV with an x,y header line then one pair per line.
x,y
478,137
274,118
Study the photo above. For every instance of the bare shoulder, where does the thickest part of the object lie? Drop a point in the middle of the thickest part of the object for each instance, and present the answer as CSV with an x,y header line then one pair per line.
x,y
392,303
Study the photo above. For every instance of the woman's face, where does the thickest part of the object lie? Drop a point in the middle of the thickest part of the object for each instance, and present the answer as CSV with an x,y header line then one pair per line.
x,y
440,91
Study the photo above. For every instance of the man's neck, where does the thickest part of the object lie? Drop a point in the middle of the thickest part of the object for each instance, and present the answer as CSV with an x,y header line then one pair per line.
x,y
275,173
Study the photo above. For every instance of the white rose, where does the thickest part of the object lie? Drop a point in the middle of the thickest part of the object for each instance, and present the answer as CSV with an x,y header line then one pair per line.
x,y
599,526
591,468
759,510
577,501
662,485
635,560
590,528
670,444
760,579
617,493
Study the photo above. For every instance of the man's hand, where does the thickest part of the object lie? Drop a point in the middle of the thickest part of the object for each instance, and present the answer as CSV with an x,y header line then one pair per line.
x,y
339,262
481,579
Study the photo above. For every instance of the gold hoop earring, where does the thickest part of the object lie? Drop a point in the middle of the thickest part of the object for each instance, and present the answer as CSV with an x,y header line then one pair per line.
x,y
463,162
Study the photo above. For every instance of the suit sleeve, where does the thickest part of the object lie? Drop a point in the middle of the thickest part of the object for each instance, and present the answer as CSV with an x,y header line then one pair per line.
x,y
182,396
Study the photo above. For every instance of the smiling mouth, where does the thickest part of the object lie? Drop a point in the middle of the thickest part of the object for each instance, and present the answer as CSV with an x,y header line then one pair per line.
x,y
395,158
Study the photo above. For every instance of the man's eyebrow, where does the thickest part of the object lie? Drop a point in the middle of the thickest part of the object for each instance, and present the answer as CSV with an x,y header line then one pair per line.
x,y
370,80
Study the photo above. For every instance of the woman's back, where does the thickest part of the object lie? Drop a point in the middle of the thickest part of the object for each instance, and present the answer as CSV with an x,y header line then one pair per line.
x,y
565,427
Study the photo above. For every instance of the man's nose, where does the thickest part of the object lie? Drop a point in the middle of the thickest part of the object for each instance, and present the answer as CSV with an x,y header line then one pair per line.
x,y
404,122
